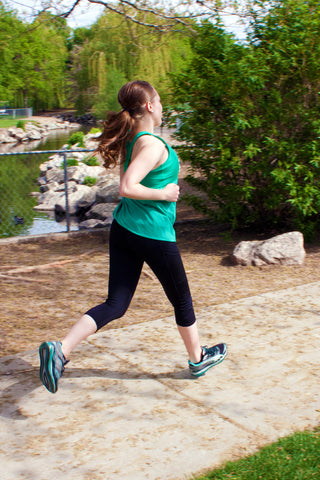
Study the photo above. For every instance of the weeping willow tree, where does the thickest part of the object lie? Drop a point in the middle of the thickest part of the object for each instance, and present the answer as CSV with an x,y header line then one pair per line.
x,y
116,50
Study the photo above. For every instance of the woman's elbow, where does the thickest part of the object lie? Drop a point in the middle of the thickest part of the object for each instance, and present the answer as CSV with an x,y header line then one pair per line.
x,y
124,190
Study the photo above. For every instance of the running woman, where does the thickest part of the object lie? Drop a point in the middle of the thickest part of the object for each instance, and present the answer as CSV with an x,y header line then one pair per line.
x,y
142,231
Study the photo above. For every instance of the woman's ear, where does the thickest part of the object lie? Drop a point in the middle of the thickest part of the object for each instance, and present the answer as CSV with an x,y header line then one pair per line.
x,y
149,107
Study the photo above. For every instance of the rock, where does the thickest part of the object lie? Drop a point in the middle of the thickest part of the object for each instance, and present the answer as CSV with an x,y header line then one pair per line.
x,y
101,211
18,133
33,135
109,194
94,223
83,195
285,249
48,200
32,132
6,138
107,179
45,187
56,175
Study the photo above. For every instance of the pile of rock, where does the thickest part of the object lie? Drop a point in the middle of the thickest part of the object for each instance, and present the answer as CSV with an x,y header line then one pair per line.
x,y
285,249
92,205
33,131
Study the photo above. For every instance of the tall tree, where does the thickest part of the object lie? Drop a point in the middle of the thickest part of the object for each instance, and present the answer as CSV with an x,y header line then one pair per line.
x,y
119,50
34,56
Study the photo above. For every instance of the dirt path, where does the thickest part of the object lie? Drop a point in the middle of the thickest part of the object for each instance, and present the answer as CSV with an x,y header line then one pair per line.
x,y
43,303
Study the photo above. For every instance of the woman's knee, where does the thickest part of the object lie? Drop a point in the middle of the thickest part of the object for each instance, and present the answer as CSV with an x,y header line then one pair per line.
x,y
184,312
107,312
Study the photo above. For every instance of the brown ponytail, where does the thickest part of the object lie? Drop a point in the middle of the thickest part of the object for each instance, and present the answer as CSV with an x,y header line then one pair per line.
x,y
132,97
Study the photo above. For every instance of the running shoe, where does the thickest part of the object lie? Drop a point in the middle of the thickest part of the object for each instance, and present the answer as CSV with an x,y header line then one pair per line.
x,y
52,362
210,357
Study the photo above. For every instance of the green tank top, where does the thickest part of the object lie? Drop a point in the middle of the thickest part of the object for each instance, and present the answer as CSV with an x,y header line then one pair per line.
x,y
151,218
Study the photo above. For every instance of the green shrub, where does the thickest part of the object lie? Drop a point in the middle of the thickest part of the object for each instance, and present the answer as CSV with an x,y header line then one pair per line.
x,y
71,162
91,161
251,129
76,139
95,130
21,124
89,181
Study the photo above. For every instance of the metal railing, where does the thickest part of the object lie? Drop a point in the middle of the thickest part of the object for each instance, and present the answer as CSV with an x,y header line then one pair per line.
x,y
15,195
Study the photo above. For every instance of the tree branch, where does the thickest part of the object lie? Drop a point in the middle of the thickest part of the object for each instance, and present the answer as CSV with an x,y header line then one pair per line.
x,y
66,14
202,9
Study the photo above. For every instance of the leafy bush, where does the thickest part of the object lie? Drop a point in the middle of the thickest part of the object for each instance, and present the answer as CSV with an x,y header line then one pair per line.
x,y
76,138
21,124
251,129
91,161
71,162
95,130
90,181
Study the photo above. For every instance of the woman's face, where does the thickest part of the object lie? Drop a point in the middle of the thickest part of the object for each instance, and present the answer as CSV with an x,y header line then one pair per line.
x,y
156,110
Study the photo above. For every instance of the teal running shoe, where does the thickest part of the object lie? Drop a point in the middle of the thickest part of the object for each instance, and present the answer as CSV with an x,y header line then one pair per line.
x,y
210,357
52,362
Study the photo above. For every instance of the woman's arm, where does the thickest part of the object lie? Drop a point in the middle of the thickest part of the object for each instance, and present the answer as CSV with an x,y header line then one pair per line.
x,y
148,154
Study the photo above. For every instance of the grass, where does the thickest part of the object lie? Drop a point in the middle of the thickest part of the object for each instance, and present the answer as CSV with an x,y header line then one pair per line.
x,y
71,162
7,122
296,457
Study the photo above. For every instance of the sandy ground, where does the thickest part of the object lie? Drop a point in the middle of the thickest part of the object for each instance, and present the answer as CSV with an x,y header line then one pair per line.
x,y
127,407
56,279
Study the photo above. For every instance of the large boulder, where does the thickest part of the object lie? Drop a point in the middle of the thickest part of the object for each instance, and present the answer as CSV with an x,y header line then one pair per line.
x,y
82,197
6,138
48,200
34,134
108,194
101,211
285,249
18,133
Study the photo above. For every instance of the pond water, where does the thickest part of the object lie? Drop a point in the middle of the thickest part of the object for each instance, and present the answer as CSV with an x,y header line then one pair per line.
x,y
18,178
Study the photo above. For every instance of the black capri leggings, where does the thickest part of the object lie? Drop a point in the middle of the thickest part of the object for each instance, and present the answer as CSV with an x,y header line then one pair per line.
x,y
128,252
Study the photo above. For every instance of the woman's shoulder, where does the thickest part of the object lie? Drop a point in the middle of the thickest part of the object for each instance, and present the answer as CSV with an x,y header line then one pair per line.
x,y
147,139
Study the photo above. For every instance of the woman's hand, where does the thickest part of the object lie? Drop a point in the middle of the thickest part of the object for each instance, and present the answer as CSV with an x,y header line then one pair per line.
x,y
171,192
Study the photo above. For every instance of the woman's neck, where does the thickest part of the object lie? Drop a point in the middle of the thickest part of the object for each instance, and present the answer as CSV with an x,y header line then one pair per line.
x,y
144,124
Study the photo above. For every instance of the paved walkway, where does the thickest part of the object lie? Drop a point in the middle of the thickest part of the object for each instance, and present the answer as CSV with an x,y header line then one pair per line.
x,y
127,408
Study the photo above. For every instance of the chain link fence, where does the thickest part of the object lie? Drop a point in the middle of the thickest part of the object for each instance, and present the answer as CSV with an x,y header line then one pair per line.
x,y
21,186
16,112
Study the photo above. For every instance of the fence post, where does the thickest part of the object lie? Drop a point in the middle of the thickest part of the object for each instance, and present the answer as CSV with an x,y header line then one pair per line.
x,y
66,190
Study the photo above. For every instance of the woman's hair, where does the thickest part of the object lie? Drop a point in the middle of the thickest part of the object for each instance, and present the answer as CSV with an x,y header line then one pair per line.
x,y
132,98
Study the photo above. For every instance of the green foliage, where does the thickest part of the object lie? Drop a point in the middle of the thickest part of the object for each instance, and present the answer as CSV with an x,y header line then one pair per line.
x,y
95,130
76,138
21,124
115,51
71,162
33,60
91,161
46,66
252,125
90,181
106,100
295,457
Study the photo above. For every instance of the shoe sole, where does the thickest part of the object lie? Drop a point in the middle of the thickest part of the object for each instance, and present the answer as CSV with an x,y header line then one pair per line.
x,y
205,369
46,373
